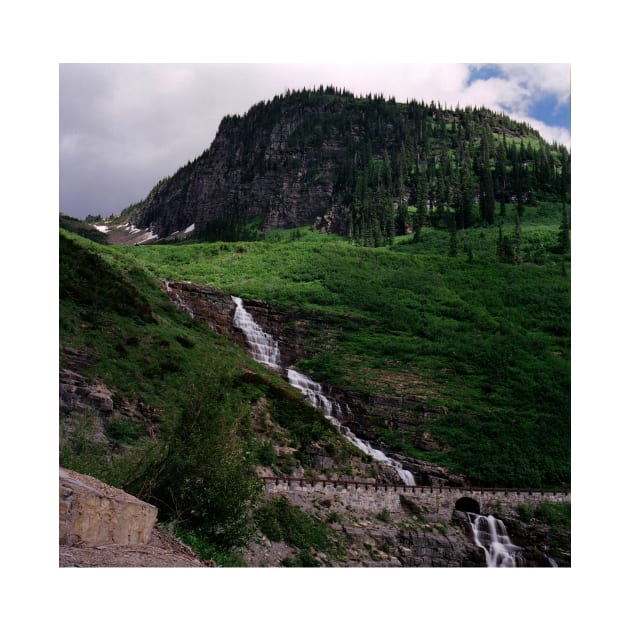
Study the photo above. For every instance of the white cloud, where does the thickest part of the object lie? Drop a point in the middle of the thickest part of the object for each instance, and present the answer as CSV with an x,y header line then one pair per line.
x,y
550,133
495,93
541,78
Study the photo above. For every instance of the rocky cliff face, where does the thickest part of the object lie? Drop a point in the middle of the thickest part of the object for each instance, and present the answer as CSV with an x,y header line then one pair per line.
x,y
250,170
216,309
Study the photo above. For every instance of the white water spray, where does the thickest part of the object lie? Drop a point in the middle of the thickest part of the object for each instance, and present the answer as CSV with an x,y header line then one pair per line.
x,y
264,349
333,411
178,299
491,535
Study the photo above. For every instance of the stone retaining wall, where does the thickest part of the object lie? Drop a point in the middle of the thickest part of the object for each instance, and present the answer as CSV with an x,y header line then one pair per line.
x,y
434,503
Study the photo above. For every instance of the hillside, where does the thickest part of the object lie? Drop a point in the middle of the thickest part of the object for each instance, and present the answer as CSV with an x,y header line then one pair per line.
x,y
132,364
411,330
352,165
413,260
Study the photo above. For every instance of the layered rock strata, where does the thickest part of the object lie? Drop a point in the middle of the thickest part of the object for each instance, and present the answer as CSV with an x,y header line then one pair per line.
x,y
92,513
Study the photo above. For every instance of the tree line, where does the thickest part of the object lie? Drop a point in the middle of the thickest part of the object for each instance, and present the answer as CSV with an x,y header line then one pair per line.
x,y
449,166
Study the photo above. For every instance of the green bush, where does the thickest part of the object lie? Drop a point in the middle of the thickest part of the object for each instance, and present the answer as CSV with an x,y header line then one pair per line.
x,y
209,551
265,453
204,479
303,559
123,431
525,512
280,520
556,515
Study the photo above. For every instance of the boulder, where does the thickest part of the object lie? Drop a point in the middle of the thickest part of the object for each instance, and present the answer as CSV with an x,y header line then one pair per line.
x,y
92,513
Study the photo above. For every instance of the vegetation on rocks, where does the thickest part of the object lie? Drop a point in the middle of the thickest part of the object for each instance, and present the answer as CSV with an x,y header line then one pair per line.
x,y
428,250
486,340
193,455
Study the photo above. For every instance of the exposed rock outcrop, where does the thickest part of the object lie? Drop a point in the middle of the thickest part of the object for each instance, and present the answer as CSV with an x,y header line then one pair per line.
x,y
216,309
87,405
249,170
102,526
92,513
77,393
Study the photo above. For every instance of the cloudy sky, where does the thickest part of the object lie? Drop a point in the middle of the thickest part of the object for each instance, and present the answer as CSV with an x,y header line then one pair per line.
x,y
122,127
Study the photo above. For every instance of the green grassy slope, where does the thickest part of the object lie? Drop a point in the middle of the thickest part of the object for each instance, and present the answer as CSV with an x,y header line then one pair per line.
x,y
146,349
489,340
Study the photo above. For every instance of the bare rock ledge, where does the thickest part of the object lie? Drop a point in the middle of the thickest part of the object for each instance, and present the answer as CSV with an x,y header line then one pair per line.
x,y
92,513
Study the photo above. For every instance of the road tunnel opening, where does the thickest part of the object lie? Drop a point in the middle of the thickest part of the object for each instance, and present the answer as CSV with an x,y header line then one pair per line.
x,y
467,504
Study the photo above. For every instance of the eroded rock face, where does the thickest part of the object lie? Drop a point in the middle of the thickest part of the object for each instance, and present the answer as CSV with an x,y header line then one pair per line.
x,y
92,513
76,393
251,169
216,309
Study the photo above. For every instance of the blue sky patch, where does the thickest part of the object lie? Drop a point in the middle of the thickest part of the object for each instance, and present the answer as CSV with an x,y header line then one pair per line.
x,y
549,110
483,72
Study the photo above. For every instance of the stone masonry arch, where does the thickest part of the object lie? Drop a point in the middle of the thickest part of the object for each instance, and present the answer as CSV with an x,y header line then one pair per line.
x,y
468,504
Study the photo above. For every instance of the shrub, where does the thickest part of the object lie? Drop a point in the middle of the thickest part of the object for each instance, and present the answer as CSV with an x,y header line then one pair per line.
x,y
265,453
525,512
204,478
185,341
279,520
556,515
123,431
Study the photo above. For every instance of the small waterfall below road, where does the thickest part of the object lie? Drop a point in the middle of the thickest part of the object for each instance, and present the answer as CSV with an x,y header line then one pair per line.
x,y
491,535
264,349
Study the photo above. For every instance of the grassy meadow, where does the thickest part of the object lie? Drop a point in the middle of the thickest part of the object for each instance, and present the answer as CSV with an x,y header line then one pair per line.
x,y
489,341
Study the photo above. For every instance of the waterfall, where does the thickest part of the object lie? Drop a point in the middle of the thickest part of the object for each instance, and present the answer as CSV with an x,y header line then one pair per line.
x,y
180,302
491,535
333,411
264,349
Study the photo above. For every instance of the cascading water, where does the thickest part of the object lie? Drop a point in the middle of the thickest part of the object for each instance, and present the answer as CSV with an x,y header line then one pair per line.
x,y
333,411
491,535
264,349
178,300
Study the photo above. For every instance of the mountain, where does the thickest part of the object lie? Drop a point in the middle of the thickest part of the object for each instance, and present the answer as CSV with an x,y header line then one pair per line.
x,y
354,165
427,315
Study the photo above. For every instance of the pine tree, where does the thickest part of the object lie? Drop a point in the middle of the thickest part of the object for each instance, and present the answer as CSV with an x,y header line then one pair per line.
x,y
402,218
466,194
505,253
500,174
564,234
516,240
452,246
421,203
486,197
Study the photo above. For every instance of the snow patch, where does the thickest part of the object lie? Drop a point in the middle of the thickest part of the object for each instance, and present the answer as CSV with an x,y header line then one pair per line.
x,y
148,237
189,229
102,228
